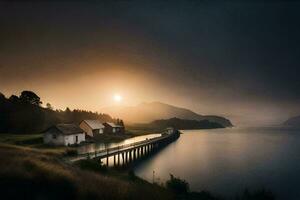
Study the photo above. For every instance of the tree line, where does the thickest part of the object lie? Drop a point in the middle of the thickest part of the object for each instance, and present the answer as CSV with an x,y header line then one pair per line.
x,y
24,114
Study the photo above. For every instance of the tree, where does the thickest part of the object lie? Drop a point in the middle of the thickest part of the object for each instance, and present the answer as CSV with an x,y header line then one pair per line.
x,y
14,99
68,115
68,111
30,97
177,185
2,96
49,106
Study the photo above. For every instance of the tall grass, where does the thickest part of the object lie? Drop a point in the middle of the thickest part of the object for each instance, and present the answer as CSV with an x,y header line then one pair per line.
x,y
29,174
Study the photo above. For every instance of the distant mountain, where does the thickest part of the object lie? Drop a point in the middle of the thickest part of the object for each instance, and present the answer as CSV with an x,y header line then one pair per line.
x,y
184,124
294,122
148,112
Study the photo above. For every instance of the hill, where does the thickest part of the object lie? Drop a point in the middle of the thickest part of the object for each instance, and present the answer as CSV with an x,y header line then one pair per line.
x,y
293,121
148,112
184,124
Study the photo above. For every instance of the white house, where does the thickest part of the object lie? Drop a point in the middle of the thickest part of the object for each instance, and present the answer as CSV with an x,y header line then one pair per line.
x,y
64,134
92,127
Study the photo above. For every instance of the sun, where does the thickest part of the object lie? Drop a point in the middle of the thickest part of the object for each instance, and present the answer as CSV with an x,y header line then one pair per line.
x,y
117,98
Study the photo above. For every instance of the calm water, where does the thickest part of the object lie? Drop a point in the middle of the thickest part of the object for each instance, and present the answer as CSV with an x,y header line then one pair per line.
x,y
225,161
100,145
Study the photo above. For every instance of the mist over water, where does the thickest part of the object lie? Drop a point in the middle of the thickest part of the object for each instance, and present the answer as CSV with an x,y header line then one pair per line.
x,y
226,161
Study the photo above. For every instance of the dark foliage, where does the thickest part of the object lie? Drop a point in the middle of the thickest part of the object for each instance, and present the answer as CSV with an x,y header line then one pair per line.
x,y
177,185
119,122
34,175
131,175
30,98
185,124
71,152
24,114
38,187
293,122
92,165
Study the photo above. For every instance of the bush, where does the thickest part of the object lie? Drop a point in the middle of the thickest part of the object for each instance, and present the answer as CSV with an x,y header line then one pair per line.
x,y
131,175
71,152
92,165
177,185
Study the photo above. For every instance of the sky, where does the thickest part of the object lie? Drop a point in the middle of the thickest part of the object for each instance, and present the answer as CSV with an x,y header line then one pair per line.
x,y
235,59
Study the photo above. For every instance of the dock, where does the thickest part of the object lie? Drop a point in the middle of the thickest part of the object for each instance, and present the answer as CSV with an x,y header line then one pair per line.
x,y
125,154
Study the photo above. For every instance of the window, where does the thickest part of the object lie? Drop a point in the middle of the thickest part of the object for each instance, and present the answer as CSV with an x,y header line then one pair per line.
x,y
54,136
76,139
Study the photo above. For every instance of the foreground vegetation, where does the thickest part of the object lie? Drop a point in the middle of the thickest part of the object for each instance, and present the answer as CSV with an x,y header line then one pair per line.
x,y
27,173
22,139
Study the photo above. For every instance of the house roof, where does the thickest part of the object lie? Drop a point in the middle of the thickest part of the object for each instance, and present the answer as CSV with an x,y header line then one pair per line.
x,y
94,124
65,129
113,125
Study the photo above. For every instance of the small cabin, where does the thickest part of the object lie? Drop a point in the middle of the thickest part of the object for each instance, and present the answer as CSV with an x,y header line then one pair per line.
x,y
92,127
112,128
170,130
64,135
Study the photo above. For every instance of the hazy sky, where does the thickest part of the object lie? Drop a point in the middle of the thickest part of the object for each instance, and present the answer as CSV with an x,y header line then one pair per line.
x,y
240,60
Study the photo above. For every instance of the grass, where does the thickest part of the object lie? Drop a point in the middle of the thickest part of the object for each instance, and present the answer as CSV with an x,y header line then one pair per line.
x,y
34,141
22,139
29,173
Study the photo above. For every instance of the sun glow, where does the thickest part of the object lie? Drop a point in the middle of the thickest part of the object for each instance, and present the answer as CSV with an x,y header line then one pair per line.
x,y
117,98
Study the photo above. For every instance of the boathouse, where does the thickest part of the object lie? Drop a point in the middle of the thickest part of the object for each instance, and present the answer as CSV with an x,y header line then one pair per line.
x,y
92,127
170,130
64,135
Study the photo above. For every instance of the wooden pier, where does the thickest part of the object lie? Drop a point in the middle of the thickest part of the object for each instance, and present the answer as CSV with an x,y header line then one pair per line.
x,y
125,154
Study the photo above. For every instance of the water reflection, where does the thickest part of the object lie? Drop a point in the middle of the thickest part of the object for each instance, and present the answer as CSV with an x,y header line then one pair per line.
x,y
226,161
101,146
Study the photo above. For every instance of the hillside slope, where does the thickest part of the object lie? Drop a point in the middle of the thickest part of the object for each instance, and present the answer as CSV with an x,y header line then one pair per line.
x,y
293,121
27,173
185,124
148,112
